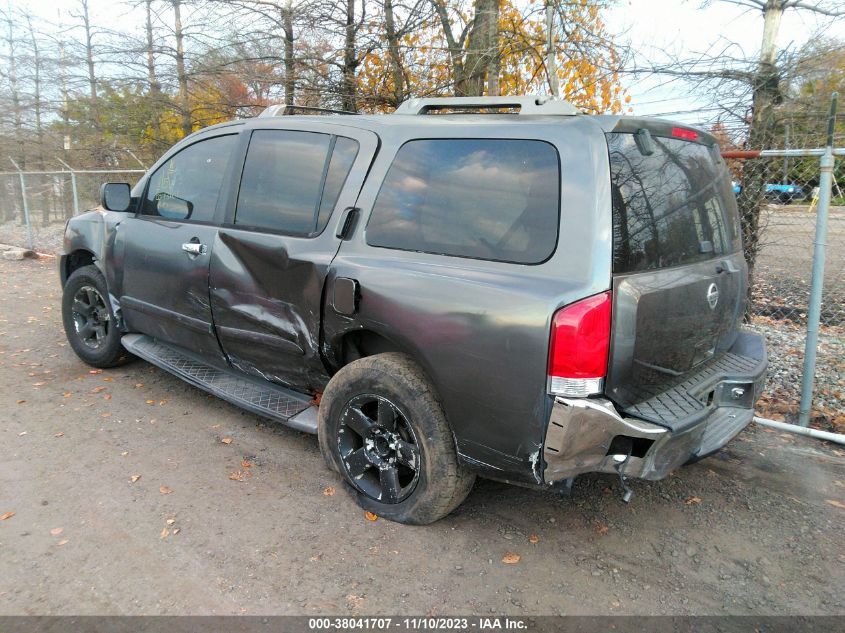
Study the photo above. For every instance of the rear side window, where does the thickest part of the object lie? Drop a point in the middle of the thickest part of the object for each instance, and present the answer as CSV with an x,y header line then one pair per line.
x,y
493,199
672,207
291,180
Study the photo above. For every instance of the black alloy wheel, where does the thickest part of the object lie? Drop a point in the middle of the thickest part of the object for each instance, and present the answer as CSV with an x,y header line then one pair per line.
x,y
378,448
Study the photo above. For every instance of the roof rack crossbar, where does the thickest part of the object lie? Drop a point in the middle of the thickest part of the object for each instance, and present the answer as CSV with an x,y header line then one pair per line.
x,y
527,104
281,109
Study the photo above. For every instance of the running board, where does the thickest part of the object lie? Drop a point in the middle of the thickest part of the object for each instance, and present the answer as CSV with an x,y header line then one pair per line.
x,y
273,401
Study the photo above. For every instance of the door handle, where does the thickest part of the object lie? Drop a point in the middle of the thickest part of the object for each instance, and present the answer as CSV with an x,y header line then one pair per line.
x,y
194,248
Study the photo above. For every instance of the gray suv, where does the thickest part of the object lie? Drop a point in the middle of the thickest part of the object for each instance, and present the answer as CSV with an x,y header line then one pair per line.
x,y
480,286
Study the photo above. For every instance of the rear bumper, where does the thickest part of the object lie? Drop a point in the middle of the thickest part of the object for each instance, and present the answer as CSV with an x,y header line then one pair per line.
x,y
583,434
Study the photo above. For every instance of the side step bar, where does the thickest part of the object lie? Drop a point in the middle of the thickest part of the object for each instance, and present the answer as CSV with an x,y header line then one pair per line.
x,y
272,401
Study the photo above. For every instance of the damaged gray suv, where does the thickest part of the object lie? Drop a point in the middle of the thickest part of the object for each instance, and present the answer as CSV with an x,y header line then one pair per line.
x,y
481,286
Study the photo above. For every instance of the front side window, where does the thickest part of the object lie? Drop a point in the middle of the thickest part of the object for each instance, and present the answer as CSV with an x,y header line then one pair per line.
x,y
494,199
291,180
187,185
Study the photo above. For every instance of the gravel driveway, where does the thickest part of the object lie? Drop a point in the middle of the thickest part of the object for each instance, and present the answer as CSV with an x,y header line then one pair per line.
x,y
129,492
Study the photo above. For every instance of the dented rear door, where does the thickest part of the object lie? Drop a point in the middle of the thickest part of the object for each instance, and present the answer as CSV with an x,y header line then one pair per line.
x,y
271,256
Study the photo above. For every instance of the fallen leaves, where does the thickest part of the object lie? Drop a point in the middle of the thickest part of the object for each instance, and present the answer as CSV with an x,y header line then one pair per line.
x,y
370,516
533,539
329,491
59,434
511,559
164,490
226,440
57,531
151,401
239,475
164,533
64,541
6,515
601,528
98,389
134,478
835,503
21,402
692,501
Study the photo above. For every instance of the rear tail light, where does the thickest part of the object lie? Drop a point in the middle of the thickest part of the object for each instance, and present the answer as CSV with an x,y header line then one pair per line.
x,y
687,135
578,347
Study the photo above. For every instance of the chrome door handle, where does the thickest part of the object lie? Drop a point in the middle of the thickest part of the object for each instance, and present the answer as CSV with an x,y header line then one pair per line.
x,y
194,248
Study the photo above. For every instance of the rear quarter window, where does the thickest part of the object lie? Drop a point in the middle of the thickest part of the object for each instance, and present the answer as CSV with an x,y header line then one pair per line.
x,y
492,199
673,207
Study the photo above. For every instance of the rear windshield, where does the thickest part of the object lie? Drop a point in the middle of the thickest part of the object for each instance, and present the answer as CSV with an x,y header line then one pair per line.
x,y
672,207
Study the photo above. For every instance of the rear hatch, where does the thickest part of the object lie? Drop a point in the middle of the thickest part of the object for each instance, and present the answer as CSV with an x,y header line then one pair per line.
x,y
679,277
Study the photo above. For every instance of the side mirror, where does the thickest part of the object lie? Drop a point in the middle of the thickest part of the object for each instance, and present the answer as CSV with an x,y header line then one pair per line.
x,y
115,196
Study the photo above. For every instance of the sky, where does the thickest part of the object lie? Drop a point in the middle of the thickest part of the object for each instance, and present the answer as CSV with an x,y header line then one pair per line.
x,y
654,29
682,28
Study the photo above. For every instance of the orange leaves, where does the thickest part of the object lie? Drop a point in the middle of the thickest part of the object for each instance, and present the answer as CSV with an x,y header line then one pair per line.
x,y
693,501
134,478
511,558
165,490
370,516
6,515
56,531
226,440
533,539
328,491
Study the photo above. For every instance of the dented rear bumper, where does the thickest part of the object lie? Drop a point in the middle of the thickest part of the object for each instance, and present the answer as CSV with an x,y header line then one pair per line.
x,y
584,435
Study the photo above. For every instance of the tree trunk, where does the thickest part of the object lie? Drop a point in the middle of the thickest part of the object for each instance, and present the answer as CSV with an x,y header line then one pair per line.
x,y
478,54
290,71
17,108
394,58
494,66
765,96
182,76
89,59
350,61
551,53
152,78
456,53
17,114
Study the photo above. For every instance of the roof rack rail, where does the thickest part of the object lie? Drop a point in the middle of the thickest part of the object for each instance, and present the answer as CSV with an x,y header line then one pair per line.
x,y
281,109
527,104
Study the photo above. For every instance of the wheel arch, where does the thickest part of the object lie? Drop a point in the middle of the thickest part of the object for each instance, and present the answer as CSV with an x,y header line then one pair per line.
x,y
74,261
364,342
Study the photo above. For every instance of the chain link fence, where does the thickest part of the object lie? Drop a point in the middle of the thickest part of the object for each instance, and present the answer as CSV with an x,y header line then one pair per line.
x,y
34,205
781,264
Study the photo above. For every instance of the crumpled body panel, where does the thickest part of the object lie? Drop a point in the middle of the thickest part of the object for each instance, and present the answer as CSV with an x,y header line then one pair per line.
x,y
265,295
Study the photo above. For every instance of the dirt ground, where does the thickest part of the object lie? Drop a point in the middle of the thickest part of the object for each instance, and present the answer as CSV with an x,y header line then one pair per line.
x,y
134,493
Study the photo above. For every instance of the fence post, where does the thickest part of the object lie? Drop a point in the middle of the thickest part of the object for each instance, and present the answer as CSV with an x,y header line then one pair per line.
x,y
25,205
817,282
72,187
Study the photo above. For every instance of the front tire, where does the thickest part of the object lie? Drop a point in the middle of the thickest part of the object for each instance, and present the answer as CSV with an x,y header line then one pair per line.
x,y
89,322
381,426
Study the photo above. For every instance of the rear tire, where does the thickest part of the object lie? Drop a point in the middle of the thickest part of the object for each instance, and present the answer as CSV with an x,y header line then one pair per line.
x,y
381,426
89,322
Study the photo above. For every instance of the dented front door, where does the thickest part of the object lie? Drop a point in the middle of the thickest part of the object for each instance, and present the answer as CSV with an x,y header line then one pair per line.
x,y
266,277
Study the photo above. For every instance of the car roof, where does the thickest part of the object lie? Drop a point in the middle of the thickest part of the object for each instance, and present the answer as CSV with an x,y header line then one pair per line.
x,y
417,122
